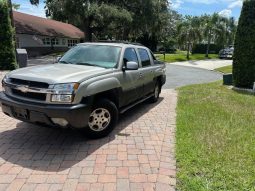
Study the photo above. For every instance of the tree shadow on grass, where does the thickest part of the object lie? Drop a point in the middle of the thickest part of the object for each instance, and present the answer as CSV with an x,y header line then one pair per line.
x,y
53,150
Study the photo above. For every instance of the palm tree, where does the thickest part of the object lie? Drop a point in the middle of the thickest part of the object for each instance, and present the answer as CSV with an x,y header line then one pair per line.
x,y
227,30
189,32
231,28
212,28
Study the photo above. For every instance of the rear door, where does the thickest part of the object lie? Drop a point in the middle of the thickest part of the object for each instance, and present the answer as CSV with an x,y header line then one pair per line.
x,y
146,71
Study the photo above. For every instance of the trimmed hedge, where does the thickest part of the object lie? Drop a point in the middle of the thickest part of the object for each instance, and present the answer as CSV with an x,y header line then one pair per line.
x,y
7,48
201,49
244,53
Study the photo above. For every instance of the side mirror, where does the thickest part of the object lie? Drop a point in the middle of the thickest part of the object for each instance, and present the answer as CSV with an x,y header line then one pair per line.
x,y
58,58
131,66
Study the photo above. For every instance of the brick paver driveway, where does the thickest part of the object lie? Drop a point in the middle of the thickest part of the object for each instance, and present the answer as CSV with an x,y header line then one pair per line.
x,y
138,155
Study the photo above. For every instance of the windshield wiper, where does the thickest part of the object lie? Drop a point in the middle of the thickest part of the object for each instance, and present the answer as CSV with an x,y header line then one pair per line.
x,y
85,64
65,62
88,64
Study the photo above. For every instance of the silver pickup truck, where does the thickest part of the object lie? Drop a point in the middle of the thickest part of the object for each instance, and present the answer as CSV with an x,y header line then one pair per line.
x,y
88,88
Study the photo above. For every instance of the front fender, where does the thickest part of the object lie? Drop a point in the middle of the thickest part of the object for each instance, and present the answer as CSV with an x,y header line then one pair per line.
x,y
102,86
95,87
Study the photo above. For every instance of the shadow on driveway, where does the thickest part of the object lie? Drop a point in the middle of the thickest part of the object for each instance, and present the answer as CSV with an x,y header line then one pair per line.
x,y
54,150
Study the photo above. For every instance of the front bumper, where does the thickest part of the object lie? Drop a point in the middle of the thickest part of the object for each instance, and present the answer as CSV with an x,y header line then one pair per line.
x,y
163,80
226,56
76,115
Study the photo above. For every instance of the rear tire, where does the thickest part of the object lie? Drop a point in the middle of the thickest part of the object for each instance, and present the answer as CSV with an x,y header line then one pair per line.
x,y
102,120
156,92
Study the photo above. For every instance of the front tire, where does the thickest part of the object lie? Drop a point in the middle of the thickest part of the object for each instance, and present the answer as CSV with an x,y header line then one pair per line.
x,y
102,119
156,93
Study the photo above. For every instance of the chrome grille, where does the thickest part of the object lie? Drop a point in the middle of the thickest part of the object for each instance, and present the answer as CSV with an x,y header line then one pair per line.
x,y
30,95
32,84
27,90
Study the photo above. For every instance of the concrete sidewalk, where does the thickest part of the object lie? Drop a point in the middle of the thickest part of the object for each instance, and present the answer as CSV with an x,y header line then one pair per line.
x,y
205,64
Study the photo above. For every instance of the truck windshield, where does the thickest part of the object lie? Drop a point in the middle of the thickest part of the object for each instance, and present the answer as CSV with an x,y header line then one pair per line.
x,y
93,55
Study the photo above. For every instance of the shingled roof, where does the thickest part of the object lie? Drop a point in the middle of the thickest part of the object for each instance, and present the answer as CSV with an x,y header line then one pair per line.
x,y
29,24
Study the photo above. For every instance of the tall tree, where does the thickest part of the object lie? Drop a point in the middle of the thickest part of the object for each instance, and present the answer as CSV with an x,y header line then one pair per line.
x,y
189,31
244,60
7,48
212,28
231,28
89,15
150,19
127,19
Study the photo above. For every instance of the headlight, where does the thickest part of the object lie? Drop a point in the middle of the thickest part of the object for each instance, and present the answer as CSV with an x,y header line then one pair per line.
x,y
4,81
64,93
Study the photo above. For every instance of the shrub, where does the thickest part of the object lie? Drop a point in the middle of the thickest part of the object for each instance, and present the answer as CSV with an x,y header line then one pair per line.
x,y
201,49
7,48
244,59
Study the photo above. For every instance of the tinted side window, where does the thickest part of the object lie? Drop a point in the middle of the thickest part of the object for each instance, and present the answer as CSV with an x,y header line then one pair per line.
x,y
130,56
144,57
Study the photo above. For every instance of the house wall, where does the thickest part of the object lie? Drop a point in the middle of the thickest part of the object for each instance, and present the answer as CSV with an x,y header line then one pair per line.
x,y
37,45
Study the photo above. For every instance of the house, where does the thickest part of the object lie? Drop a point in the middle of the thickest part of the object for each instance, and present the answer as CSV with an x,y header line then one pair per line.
x,y
41,36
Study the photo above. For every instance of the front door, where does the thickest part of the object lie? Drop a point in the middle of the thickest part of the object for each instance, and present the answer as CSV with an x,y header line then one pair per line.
x,y
132,85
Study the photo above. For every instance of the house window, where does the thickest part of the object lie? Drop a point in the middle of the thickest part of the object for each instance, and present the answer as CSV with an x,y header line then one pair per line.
x,y
63,41
54,41
72,43
46,41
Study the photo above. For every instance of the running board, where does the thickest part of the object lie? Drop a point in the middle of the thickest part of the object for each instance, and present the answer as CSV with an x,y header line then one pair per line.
x,y
134,104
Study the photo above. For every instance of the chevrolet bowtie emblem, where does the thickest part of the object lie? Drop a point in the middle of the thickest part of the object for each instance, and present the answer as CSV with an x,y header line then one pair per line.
x,y
23,89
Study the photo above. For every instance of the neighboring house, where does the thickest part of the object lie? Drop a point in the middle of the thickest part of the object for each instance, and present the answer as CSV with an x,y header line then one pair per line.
x,y
41,36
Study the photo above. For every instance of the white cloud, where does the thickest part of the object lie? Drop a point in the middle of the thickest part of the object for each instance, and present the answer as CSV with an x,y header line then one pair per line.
x,y
26,7
234,4
230,5
175,4
202,1
33,11
225,13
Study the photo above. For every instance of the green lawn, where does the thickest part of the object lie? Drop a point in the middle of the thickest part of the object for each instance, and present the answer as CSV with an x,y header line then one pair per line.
x,y
181,56
226,69
215,139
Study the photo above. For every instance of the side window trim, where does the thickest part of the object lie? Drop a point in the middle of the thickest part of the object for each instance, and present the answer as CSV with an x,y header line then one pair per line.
x,y
139,59
153,56
151,64
136,53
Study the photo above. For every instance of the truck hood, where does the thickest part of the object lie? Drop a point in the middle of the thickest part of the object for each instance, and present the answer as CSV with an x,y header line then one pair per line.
x,y
58,73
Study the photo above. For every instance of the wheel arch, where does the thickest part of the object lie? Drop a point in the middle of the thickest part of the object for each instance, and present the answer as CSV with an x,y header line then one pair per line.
x,y
112,95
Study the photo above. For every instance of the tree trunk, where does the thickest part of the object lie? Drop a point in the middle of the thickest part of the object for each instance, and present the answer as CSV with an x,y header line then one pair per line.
x,y
126,32
87,30
188,51
11,14
208,45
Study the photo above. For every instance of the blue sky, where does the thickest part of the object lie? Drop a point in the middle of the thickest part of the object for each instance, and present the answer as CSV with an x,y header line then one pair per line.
x,y
186,7
226,8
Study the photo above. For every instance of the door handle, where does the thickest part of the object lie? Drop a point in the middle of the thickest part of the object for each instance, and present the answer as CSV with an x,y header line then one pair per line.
x,y
141,75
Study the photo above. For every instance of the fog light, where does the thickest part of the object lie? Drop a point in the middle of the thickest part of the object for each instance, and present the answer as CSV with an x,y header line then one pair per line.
x,y
62,98
60,121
